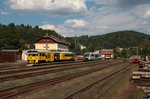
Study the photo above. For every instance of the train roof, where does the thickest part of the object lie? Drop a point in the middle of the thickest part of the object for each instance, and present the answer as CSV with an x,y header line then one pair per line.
x,y
34,50
54,51
91,53
64,52
136,56
11,50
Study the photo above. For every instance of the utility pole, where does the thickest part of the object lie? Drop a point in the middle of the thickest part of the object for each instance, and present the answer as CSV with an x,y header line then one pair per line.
x,y
137,51
126,52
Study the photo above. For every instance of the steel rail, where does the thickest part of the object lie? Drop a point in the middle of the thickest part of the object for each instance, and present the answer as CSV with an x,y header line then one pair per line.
x,y
32,86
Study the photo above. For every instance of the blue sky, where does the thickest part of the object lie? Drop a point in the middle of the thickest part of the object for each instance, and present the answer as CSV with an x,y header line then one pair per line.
x,y
79,17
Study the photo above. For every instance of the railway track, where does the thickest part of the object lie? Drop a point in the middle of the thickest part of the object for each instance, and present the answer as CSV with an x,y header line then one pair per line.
x,y
29,87
38,64
144,70
50,66
103,82
46,71
144,84
142,78
45,64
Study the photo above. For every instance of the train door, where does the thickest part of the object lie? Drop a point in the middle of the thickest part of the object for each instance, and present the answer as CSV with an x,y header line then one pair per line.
x,y
42,57
49,57
87,56
92,56
65,56
61,56
56,56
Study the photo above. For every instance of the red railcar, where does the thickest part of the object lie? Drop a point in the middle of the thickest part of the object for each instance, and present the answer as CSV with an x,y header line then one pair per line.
x,y
136,59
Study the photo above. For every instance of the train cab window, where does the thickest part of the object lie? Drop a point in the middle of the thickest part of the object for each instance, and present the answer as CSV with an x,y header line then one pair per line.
x,y
56,54
96,55
86,55
42,54
48,56
92,55
29,54
35,55
32,54
69,55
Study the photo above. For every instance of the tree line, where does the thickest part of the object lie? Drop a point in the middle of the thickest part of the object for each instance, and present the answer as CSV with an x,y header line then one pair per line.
x,y
21,36
130,41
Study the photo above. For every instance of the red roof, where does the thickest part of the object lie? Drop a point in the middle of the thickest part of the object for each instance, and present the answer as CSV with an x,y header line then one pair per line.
x,y
49,39
104,52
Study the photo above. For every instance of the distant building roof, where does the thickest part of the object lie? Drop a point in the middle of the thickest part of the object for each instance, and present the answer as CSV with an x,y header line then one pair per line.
x,y
106,51
119,49
11,50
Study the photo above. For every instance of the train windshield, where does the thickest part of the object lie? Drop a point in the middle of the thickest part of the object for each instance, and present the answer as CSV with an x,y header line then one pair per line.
x,y
32,54
136,56
86,55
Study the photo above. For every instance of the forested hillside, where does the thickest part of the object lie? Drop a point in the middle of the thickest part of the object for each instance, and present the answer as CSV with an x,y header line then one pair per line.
x,y
20,36
123,39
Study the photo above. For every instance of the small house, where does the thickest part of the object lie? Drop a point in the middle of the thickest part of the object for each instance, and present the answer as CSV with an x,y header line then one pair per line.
x,y
10,55
107,54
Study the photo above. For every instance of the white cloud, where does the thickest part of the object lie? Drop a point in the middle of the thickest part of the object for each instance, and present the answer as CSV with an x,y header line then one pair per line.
x,y
147,14
107,19
122,3
47,27
55,6
70,27
99,24
65,31
106,2
103,17
104,23
76,23
104,27
3,12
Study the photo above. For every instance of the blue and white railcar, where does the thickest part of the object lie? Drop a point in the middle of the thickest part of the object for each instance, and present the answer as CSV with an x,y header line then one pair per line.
x,y
91,56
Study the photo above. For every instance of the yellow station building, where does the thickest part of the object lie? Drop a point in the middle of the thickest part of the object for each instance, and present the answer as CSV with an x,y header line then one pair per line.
x,y
50,43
